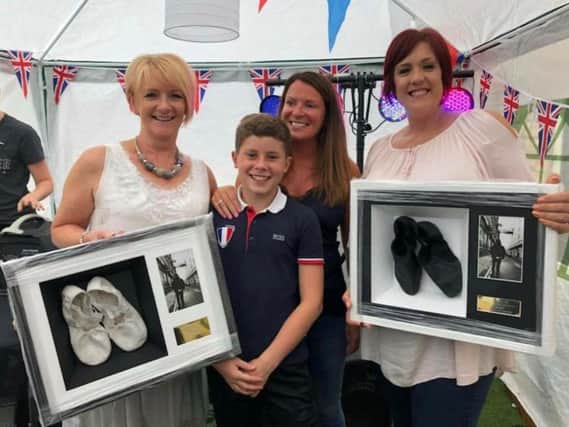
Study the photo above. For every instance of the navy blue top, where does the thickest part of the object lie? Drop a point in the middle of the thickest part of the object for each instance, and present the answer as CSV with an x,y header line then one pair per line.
x,y
260,255
330,218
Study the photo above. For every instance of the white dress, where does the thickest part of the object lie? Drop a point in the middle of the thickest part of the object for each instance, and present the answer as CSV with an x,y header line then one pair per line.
x,y
125,200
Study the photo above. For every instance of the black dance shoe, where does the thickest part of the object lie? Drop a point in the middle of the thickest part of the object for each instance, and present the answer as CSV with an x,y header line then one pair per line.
x,y
438,260
407,268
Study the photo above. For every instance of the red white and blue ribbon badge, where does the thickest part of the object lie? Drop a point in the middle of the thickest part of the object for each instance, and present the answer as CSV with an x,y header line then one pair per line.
x,y
224,235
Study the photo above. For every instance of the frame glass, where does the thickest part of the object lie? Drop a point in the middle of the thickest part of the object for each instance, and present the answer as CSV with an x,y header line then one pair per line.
x,y
507,262
170,275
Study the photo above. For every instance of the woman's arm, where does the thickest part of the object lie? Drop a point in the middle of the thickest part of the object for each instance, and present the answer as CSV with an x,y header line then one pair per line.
x,y
77,203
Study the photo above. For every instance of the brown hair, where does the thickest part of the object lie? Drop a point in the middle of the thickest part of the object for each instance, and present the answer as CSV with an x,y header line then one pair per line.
x,y
333,161
259,124
169,67
402,45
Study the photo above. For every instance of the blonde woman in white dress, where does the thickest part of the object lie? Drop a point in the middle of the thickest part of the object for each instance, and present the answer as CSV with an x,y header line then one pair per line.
x,y
136,183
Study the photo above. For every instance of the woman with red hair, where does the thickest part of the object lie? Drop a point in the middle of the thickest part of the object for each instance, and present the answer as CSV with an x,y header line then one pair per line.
x,y
431,381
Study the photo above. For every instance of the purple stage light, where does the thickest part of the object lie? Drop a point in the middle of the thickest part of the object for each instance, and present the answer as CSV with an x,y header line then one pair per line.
x,y
390,109
458,99
270,105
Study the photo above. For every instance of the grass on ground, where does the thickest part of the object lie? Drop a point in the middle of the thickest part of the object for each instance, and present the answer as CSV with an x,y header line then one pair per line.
x,y
499,410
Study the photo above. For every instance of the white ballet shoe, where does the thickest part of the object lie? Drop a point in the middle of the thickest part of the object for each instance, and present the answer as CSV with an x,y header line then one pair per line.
x,y
89,340
121,320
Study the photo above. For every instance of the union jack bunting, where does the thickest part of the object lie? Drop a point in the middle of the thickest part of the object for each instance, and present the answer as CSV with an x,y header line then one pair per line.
x,y
547,116
485,84
202,79
260,77
334,69
119,74
22,63
511,103
464,65
262,4
62,75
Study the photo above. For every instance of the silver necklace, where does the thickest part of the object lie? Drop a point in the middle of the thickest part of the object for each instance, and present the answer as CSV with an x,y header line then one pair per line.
x,y
160,172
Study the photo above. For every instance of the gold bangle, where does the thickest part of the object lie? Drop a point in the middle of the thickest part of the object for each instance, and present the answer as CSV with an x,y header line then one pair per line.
x,y
82,237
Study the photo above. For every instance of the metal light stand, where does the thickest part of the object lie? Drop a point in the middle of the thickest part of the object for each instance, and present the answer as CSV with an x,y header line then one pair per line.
x,y
358,84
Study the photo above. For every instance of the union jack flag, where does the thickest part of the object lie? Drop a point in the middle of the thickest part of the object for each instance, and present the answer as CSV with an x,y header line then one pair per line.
x,y
511,103
485,84
464,65
202,79
120,74
334,69
62,75
22,63
547,116
260,77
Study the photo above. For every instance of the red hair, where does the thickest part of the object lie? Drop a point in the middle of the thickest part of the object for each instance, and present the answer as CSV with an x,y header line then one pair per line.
x,y
402,45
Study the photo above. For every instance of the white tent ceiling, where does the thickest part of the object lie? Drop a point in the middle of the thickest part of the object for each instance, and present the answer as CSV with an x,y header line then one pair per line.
x,y
118,30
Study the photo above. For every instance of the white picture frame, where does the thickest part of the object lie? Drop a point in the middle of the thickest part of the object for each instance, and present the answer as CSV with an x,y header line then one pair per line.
x,y
515,310
193,334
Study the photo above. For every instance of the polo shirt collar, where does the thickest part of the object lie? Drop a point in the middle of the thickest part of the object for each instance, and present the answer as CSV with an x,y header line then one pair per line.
x,y
277,205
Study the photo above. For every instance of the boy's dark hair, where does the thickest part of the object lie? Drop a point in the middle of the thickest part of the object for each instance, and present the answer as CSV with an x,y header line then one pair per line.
x,y
260,124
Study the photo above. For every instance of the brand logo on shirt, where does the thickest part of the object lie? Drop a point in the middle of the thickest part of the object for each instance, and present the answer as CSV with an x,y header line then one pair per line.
x,y
278,237
224,235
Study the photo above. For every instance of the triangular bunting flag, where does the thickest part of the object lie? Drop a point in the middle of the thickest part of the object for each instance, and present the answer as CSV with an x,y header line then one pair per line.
x,y
202,79
547,116
262,4
260,77
511,103
62,75
464,64
336,15
485,84
334,69
120,75
22,63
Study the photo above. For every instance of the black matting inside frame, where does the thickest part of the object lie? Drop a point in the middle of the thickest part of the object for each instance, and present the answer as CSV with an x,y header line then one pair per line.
x,y
517,276
131,278
527,290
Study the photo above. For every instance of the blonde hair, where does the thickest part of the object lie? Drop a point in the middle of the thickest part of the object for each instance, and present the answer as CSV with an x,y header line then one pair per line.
x,y
170,67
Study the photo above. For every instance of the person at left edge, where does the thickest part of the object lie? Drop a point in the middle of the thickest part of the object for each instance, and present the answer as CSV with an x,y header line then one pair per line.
x,y
21,154
273,263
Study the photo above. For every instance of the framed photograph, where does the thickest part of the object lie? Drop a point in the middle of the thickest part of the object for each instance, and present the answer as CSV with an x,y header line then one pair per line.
x,y
459,260
101,320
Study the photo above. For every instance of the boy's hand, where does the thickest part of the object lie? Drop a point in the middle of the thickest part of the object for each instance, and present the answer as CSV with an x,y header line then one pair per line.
x,y
263,368
240,377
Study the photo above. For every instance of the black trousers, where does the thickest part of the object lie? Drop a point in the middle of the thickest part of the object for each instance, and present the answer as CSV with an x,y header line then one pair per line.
x,y
286,401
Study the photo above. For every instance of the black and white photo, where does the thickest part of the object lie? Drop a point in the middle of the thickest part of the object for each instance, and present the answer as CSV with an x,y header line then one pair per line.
x,y
500,248
180,280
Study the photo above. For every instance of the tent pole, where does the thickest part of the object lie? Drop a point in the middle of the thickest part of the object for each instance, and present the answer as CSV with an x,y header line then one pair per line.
x,y
61,30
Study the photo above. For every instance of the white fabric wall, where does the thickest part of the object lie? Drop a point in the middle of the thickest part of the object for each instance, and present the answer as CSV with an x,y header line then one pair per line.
x,y
93,111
